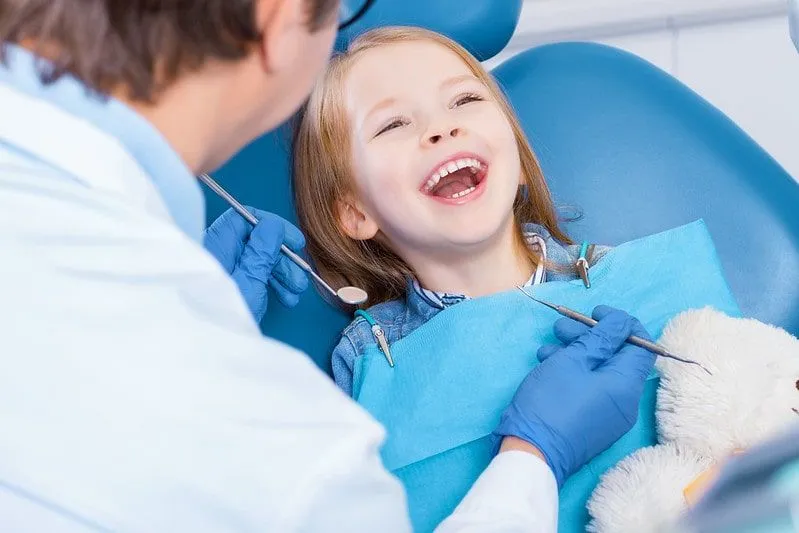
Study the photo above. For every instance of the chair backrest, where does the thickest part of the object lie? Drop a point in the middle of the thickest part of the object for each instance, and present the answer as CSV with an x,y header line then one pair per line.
x,y
259,174
629,145
638,152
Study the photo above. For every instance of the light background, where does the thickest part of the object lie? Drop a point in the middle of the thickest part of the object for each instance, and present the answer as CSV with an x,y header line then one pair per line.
x,y
737,54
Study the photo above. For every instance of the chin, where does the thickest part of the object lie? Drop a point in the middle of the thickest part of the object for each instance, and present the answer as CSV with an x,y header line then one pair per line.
x,y
477,225
474,237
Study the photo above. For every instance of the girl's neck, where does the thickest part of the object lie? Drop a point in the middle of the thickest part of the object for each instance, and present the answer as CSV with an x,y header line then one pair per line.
x,y
498,267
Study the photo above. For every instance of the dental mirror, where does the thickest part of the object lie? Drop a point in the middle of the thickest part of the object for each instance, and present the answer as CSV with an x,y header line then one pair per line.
x,y
347,295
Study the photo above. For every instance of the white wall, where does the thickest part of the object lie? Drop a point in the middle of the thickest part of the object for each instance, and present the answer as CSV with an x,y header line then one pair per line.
x,y
735,53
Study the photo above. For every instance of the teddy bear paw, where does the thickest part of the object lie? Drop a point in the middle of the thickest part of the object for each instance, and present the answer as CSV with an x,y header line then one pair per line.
x,y
645,490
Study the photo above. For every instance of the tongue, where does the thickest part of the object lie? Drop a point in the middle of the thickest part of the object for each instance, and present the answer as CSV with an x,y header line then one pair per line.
x,y
454,183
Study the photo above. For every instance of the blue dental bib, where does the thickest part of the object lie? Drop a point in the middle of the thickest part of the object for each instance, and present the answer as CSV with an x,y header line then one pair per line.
x,y
455,375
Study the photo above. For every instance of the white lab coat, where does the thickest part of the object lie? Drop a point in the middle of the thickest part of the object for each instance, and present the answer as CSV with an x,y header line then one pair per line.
x,y
137,394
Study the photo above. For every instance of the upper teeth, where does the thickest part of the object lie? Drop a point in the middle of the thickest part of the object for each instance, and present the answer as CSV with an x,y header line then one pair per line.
x,y
450,167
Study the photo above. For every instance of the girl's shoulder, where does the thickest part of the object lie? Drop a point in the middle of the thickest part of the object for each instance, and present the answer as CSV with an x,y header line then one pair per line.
x,y
389,316
359,335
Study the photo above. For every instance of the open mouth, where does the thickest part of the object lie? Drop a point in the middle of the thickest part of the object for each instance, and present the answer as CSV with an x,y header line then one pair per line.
x,y
456,178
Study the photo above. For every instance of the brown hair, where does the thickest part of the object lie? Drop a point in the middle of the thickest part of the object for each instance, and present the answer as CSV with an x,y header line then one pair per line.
x,y
140,45
322,176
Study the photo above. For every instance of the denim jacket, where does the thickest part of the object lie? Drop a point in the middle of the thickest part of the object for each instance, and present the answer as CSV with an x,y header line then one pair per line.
x,y
400,317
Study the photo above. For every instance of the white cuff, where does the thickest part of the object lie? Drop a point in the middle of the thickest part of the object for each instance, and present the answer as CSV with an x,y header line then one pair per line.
x,y
516,493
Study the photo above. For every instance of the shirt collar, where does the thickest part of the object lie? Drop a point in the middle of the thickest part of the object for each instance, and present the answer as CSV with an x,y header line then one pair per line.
x,y
175,182
442,300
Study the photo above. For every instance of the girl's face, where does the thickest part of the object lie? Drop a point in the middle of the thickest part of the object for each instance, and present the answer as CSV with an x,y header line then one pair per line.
x,y
435,161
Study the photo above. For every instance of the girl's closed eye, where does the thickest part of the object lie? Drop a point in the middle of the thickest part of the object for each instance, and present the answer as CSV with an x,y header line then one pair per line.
x,y
467,98
395,122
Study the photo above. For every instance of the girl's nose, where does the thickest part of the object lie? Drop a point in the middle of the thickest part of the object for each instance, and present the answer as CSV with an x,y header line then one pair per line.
x,y
437,137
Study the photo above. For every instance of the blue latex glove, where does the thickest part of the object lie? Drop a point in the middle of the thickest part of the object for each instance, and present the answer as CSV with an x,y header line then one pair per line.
x,y
252,257
583,396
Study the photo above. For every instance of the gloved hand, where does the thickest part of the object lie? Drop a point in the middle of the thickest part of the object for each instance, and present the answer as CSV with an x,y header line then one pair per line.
x,y
583,396
252,257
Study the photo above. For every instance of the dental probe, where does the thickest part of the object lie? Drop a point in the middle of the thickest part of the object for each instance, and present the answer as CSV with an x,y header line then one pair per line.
x,y
632,339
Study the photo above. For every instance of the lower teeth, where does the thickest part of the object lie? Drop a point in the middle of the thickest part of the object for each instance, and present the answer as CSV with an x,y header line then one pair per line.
x,y
463,193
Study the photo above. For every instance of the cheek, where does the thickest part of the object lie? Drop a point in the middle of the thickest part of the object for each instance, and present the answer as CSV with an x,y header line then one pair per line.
x,y
503,141
522,181
380,183
511,159
511,153
389,164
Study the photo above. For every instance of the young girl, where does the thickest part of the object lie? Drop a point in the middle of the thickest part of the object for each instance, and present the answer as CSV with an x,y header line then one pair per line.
x,y
413,180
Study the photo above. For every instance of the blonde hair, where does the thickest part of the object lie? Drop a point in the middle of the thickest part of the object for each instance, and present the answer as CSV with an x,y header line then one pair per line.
x,y
322,176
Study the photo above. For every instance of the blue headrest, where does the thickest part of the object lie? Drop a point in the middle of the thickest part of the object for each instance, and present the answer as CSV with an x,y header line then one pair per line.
x,y
483,27
638,152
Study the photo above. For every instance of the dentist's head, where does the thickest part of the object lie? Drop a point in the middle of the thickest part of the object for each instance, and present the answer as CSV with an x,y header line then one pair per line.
x,y
211,75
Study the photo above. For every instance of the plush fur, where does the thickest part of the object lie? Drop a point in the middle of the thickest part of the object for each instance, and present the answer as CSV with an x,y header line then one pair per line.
x,y
751,395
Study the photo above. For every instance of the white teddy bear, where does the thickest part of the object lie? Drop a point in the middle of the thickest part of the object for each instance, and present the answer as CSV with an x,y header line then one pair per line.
x,y
752,394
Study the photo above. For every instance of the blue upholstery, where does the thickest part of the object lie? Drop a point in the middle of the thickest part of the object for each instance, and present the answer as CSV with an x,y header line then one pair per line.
x,y
629,145
639,152
483,27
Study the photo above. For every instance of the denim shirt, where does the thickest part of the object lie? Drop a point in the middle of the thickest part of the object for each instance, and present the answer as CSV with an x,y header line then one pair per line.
x,y
398,318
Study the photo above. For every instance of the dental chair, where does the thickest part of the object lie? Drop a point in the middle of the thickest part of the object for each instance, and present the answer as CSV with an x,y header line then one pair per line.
x,y
629,146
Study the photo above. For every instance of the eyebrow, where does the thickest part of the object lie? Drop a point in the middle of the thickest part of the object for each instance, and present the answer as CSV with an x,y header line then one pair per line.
x,y
388,102
382,104
458,79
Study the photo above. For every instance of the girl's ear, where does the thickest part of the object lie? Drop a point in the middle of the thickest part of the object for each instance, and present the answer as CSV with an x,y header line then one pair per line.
x,y
355,222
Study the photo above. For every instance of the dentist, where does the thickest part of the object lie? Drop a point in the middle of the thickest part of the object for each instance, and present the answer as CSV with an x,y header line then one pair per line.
x,y
137,393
